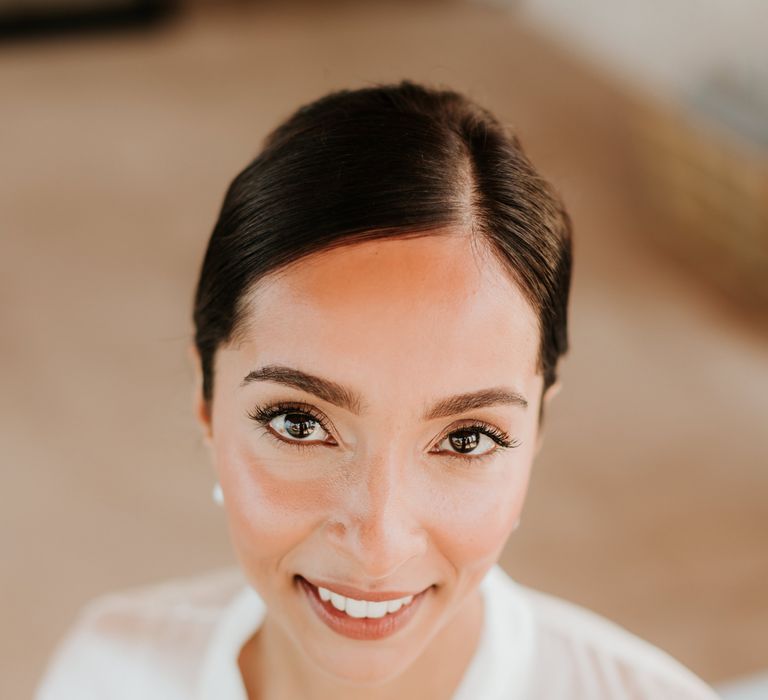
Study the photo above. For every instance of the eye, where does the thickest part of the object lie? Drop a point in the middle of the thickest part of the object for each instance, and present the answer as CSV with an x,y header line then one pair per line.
x,y
293,423
475,441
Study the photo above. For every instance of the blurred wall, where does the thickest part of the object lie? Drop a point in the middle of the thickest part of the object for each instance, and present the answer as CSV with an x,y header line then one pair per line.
x,y
662,44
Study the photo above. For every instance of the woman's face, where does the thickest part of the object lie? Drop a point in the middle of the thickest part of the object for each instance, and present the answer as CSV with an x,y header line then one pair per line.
x,y
356,430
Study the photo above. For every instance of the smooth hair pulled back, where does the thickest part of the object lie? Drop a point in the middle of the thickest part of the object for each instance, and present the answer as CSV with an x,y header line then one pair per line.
x,y
385,161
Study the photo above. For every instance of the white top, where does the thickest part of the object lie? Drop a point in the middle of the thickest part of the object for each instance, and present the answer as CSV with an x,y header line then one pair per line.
x,y
181,640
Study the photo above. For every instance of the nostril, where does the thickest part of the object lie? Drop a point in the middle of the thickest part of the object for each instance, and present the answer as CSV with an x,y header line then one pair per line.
x,y
379,544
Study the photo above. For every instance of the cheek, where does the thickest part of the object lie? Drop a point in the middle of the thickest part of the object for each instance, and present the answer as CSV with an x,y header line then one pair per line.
x,y
473,523
269,514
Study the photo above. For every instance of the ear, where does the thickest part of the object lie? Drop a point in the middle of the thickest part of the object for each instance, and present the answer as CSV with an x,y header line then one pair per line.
x,y
549,394
200,408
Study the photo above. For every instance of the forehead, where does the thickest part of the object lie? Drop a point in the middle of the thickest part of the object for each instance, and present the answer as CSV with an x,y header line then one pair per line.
x,y
395,315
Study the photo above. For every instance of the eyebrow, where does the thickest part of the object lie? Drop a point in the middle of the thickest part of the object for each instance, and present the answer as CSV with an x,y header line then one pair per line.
x,y
339,395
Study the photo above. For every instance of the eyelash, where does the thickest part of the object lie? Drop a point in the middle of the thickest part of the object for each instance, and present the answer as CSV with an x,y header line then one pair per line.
x,y
264,414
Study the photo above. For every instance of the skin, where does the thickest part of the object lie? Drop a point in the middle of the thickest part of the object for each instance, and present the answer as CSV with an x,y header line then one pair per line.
x,y
403,323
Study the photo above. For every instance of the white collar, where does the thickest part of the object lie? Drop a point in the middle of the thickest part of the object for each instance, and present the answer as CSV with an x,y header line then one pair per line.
x,y
498,669
220,677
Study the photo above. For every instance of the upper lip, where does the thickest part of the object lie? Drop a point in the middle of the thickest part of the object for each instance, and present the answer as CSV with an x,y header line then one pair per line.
x,y
357,594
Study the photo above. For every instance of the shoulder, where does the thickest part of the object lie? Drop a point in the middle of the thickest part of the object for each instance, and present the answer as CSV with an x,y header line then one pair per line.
x,y
595,658
144,642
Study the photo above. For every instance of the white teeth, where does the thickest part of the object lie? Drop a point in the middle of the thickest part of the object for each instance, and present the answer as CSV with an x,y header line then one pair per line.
x,y
377,609
356,608
394,605
362,608
338,601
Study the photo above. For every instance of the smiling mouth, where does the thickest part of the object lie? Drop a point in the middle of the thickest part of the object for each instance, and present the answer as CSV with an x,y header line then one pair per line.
x,y
360,619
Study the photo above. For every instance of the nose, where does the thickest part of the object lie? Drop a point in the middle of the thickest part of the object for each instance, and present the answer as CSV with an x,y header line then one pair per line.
x,y
376,525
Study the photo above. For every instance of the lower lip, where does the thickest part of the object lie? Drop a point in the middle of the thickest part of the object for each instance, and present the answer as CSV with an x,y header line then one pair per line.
x,y
360,627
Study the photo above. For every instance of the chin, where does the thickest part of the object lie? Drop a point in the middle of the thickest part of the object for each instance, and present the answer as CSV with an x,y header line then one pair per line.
x,y
363,667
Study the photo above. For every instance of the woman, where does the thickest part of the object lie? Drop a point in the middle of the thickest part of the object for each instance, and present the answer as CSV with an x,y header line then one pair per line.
x,y
379,319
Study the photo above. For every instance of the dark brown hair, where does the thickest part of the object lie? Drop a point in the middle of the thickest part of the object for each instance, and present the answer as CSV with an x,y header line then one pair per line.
x,y
381,162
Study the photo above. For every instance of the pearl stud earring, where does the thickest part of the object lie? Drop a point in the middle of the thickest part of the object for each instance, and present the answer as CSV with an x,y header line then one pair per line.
x,y
217,494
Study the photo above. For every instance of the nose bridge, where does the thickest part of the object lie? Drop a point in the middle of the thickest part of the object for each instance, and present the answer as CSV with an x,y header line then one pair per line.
x,y
377,523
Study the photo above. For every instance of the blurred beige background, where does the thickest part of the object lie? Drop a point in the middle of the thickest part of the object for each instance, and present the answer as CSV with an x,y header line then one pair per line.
x,y
648,503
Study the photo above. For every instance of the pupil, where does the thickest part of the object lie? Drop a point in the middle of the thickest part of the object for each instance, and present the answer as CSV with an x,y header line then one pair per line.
x,y
299,424
465,442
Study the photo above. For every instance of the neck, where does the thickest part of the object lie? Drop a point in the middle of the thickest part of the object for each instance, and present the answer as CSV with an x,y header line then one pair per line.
x,y
273,668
